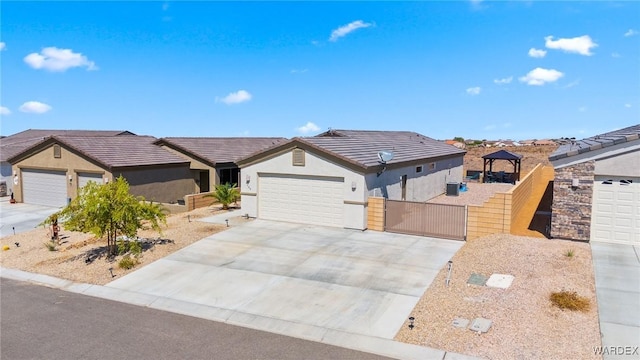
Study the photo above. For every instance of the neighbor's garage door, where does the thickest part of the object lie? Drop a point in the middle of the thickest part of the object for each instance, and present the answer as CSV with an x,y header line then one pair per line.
x,y
616,210
44,187
84,178
301,199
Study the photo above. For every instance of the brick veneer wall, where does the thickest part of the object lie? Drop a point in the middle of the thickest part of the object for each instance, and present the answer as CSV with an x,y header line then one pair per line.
x,y
571,210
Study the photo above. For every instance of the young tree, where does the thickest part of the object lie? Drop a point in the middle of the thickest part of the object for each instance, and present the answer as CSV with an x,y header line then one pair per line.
x,y
110,210
225,194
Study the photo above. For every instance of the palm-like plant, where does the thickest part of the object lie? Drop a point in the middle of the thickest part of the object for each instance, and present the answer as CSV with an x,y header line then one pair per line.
x,y
225,194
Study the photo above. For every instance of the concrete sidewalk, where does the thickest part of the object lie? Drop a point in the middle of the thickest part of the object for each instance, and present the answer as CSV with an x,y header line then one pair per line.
x,y
617,273
385,347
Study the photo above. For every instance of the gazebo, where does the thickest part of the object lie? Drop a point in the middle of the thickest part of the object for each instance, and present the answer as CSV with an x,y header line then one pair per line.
x,y
514,159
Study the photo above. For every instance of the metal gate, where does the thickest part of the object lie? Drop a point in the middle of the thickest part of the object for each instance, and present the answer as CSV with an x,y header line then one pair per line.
x,y
426,219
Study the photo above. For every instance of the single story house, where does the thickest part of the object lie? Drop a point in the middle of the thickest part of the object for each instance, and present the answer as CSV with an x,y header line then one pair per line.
x,y
51,171
213,159
327,179
14,144
596,190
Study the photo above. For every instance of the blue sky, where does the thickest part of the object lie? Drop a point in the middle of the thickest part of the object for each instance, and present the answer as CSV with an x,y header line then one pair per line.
x,y
476,69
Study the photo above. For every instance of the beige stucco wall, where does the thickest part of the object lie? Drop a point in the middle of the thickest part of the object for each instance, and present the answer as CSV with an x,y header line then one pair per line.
x,y
195,164
626,164
69,162
159,184
355,209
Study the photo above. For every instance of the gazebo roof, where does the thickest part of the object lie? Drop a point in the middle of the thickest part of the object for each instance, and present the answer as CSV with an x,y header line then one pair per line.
x,y
502,155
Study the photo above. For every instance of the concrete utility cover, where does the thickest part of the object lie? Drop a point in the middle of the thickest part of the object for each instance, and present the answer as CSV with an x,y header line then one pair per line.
x,y
480,325
477,279
460,322
500,281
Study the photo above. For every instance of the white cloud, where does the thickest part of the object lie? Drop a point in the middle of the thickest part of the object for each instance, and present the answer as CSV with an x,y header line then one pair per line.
x,y
627,105
537,53
540,76
631,32
582,109
490,127
346,29
34,107
3,45
165,6
580,45
615,55
572,84
54,59
299,71
503,81
235,98
474,90
4,111
307,128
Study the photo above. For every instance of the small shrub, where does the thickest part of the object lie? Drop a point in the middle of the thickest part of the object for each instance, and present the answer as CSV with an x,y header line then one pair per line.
x,y
127,263
570,253
51,246
123,247
135,248
570,300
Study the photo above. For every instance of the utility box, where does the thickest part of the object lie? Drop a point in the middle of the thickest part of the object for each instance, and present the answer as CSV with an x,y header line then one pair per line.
x,y
453,189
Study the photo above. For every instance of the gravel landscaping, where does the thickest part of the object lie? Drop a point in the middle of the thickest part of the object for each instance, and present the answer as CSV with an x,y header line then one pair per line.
x,y
525,325
68,261
476,194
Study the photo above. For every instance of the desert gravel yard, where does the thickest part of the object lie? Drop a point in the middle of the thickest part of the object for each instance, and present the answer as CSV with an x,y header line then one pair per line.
x,y
525,325
68,261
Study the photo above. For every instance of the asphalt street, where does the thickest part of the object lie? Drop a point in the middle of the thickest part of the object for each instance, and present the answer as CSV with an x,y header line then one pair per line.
x,y
38,322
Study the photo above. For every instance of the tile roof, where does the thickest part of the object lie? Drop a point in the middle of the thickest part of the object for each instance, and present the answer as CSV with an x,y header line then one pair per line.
x,y
502,155
361,147
14,144
217,150
115,151
596,142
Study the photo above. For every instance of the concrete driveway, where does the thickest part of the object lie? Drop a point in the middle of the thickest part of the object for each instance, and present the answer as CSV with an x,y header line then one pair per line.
x,y
22,217
617,272
304,281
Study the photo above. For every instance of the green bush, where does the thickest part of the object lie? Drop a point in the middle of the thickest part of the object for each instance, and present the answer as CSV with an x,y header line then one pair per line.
x,y
123,247
570,300
51,246
570,253
127,263
135,247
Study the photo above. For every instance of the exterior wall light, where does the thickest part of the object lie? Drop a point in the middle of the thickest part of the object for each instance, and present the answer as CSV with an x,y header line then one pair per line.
x,y
353,186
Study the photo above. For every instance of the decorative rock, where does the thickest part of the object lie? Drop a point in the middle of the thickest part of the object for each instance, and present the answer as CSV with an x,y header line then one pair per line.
x,y
500,281
460,322
480,325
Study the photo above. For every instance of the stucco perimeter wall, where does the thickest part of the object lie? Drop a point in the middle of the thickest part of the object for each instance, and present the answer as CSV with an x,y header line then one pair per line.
x,y
69,162
420,186
571,209
159,184
494,216
355,201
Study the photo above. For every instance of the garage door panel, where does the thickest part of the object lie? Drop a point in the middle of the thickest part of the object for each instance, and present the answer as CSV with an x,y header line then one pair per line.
x,y
616,211
303,199
84,178
44,187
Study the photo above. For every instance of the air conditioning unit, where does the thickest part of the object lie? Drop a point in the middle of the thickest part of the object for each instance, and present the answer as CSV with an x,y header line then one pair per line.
x,y
453,189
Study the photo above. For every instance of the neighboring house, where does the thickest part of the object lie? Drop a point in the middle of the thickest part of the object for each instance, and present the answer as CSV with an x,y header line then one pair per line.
x,y
596,190
544,143
213,160
527,142
458,144
327,179
51,171
14,144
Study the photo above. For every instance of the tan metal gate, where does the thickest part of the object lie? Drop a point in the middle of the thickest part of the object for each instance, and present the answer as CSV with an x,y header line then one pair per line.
x,y
426,219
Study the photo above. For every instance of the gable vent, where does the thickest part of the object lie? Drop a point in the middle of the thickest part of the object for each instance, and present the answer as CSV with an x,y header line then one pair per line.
x,y
57,151
298,157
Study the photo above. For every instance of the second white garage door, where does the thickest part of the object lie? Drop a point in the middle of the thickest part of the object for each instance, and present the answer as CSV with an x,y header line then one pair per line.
x,y
84,178
44,187
616,210
301,199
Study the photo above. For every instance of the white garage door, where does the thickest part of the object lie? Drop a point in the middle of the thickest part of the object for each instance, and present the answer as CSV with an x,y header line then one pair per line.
x,y
44,187
616,210
301,199
84,178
